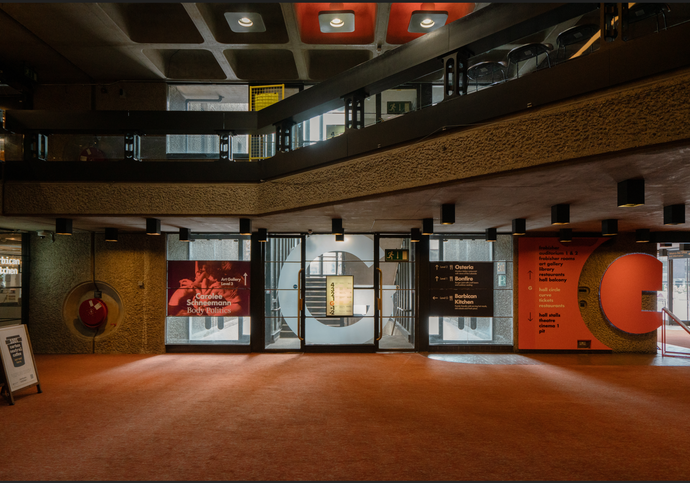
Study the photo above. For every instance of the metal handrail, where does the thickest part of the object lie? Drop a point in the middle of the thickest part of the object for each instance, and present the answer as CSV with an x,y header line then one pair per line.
x,y
665,352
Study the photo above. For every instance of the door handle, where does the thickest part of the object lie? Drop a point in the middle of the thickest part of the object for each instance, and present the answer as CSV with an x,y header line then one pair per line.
x,y
379,303
300,304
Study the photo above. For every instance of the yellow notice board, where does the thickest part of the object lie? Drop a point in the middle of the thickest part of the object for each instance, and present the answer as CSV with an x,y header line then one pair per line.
x,y
340,295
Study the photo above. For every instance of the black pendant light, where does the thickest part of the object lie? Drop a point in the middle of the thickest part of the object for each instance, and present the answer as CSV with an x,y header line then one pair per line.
x,y
447,214
631,192
609,227
519,226
63,226
153,226
111,234
560,214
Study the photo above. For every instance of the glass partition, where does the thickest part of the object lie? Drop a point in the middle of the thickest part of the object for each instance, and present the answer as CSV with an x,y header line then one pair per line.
x,y
11,263
281,271
496,329
208,291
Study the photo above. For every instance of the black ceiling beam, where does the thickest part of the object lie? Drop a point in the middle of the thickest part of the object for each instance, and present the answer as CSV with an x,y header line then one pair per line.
x,y
120,122
490,27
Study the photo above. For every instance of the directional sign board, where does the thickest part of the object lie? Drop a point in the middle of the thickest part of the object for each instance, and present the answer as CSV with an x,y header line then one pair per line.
x,y
461,289
461,274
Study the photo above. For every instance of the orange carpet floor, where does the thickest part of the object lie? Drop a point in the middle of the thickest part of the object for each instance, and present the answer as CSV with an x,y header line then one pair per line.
x,y
344,417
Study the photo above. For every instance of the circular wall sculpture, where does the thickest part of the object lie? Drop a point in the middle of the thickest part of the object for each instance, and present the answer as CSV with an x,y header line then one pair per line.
x,y
621,291
84,292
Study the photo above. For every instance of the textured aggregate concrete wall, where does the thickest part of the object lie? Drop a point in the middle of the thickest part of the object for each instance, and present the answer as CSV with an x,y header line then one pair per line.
x,y
644,114
594,318
57,267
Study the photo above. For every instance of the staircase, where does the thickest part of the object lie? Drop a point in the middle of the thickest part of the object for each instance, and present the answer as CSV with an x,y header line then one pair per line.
x,y
315,300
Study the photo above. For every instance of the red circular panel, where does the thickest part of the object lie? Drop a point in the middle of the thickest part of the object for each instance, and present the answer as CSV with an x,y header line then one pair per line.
x,y
93,312
621,292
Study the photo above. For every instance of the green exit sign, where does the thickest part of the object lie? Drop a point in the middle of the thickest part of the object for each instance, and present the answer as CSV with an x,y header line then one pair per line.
x,y
397,256
398,107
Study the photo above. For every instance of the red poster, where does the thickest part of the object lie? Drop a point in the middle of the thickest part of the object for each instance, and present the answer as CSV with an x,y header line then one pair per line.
x,y
208,288
549,313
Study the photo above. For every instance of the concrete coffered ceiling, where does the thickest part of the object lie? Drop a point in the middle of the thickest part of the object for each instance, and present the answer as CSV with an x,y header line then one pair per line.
x,y
108,42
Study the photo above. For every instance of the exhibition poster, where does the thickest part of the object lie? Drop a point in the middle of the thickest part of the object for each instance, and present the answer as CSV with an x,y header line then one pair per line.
x,y
208,288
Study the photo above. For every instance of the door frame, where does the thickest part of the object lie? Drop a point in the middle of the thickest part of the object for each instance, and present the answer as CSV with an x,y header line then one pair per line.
x,y
258,303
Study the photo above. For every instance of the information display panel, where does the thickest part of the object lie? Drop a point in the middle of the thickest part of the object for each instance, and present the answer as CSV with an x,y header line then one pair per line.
x,y
16,356
461,289
549,313
340,295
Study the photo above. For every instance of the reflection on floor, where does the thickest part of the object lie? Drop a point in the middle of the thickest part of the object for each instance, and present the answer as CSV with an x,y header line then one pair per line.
x,y
586,359
397,341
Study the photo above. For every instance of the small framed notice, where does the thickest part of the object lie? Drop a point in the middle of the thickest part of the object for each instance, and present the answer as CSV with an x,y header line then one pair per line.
x,y
18,365
340,295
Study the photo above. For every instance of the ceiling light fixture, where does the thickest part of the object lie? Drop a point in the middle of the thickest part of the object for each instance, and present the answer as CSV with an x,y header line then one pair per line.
x,y
337,21
340,237
565,235
428,226
337,226
674,214
447,214
185,235
519,226
415,235
642,235
245,226
111,234
63,226
263,235
153,226
424,21
245,22
609,227
490,235
631,192
560,214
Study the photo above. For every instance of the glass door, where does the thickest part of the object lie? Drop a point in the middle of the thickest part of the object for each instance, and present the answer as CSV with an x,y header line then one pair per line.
x,y
396,271
339,297
353,295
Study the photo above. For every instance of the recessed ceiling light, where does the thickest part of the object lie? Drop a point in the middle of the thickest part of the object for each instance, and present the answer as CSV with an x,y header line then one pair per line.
x,y
340,21
423,21
245,22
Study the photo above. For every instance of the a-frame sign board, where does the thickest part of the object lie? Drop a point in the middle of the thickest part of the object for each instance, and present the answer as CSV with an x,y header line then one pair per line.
x,y
17,361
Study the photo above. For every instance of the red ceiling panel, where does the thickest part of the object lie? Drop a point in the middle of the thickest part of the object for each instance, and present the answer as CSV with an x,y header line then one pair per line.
x,y
399,19
308,22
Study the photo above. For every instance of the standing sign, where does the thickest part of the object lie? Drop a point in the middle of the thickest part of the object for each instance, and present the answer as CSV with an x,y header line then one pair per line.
x,y
461,289
19,368
208,288
340,295
549,313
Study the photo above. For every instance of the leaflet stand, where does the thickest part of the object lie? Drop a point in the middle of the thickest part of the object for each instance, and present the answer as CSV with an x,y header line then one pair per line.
x,y
16,352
